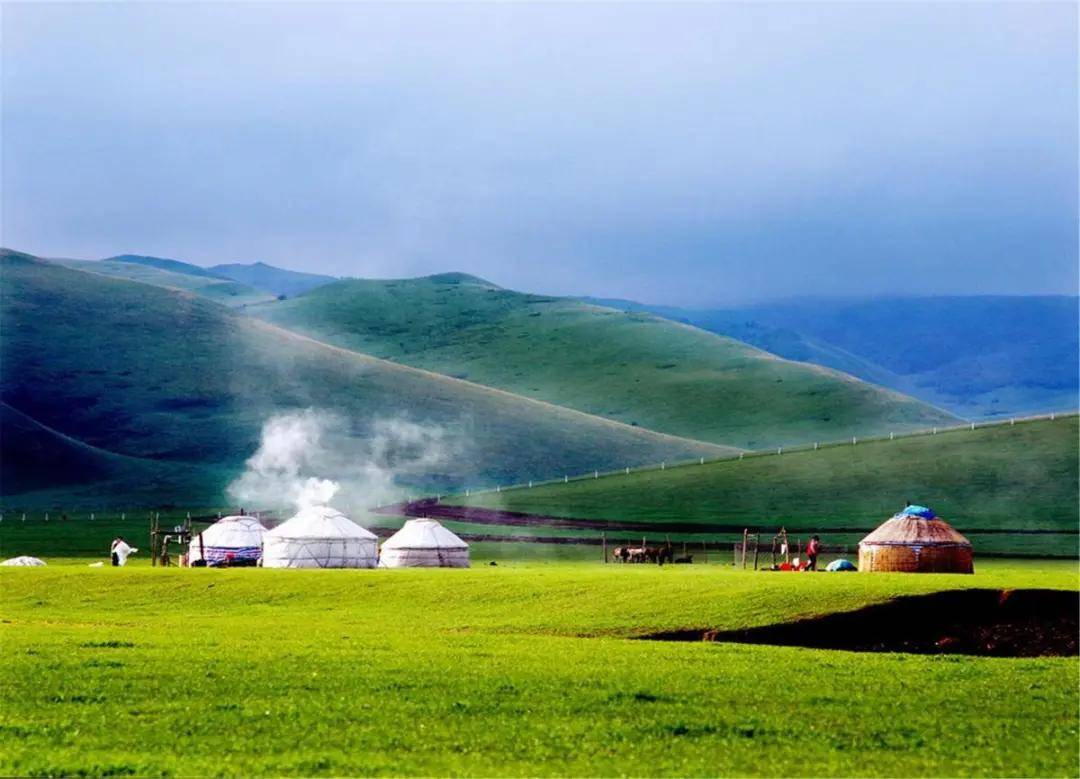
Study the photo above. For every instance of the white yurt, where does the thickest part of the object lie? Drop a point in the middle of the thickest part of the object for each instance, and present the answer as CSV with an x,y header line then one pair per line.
x,y
320,537
424,543
235,540
25,561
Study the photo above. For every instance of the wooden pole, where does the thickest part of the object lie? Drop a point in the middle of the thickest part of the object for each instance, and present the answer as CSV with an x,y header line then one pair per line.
x,y
603,541
756,545
745,533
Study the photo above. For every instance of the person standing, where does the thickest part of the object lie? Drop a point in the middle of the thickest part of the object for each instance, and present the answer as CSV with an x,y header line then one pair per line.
x,y
812,550
120,551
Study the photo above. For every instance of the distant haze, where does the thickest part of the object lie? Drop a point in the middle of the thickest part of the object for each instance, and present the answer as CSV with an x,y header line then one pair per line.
x,y
678,153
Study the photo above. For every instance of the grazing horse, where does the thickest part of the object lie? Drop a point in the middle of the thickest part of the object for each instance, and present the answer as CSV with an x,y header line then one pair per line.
x,y
621,553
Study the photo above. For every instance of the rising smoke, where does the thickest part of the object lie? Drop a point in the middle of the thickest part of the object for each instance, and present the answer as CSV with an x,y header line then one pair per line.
x,y
314,457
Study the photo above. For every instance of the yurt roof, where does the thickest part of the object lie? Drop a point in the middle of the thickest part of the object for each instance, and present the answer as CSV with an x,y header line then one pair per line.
x,y
23,561
915,526
320,522
234,532
424,533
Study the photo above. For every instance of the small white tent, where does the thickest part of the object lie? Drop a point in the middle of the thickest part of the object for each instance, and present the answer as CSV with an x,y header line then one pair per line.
x,y
319,537
235,540
24,561
424,543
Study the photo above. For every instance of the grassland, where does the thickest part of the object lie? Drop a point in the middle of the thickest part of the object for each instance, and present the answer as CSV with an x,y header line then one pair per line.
x,y
502,671
632,367
153,374
998,478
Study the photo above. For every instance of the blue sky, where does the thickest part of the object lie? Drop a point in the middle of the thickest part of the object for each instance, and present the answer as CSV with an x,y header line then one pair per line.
x,y
691,154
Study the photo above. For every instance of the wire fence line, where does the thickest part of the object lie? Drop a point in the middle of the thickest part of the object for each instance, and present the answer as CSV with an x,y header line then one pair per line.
x,y
10,515
779,451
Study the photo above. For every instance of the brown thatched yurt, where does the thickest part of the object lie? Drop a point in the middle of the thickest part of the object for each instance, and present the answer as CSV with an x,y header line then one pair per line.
x,y
916,541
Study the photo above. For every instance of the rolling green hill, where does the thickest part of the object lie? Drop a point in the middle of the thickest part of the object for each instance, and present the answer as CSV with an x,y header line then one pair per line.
x,y
1020,477
632,367
155,374
177,276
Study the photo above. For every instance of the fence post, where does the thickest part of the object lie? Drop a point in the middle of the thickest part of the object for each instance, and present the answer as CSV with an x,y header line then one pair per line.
x,y
815,446
891,436
627,470
935,431
853,440
744,535
1012,421
466,493
663,466
779,450
1051,416
498,488
565,478
603,542
740,455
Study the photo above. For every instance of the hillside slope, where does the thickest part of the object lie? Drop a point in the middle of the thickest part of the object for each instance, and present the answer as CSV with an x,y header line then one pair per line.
x,y
1020,477
632,367
978,356
154,374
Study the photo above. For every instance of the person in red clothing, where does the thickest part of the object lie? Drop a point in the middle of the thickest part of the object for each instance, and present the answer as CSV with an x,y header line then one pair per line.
x,y
812,550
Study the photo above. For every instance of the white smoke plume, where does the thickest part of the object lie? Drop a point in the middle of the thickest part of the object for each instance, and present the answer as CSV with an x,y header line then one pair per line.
x,y
311,457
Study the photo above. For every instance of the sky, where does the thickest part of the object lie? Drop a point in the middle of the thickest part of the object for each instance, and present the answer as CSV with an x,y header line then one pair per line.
x,y
693,154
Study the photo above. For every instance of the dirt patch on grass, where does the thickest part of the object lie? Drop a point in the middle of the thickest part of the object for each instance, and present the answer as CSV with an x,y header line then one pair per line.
x,y
993,623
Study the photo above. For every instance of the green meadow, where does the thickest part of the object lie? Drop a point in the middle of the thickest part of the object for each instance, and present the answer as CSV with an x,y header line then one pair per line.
x,y
520,669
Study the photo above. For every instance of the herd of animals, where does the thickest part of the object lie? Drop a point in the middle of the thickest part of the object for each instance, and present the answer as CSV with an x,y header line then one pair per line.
x,y
649,554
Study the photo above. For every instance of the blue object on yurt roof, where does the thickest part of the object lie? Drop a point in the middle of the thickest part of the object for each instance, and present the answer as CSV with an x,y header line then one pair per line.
x,y
841,565
918,511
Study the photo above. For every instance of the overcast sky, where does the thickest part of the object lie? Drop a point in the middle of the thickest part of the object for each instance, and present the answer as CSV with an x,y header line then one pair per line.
x,y
690,154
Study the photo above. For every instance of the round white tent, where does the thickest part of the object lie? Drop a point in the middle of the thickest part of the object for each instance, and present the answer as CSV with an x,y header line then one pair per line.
x,y
25,561
235,540
319,537
424,543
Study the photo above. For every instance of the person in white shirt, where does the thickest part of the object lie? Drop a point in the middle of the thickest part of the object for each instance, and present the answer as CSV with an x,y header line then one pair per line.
x,y
120,551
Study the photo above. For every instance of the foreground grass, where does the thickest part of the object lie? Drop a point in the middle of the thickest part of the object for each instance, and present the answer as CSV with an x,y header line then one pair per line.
x,y
520,669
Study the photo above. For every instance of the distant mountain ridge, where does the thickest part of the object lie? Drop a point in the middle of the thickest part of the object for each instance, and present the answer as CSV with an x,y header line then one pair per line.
x,y
977,356
176,266
280,281
257,275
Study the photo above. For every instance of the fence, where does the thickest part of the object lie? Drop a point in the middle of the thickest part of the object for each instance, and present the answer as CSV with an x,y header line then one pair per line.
x,y
779,451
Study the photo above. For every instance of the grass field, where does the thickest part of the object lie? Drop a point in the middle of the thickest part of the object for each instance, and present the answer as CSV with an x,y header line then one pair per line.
x,y
632,367
1004,477
135,370
520,669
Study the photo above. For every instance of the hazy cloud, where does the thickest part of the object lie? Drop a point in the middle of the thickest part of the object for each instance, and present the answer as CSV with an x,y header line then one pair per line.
x,y
677,152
